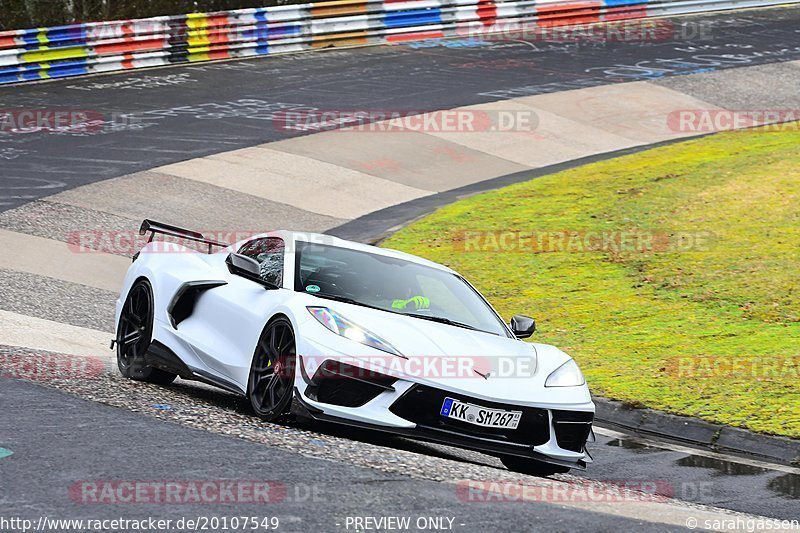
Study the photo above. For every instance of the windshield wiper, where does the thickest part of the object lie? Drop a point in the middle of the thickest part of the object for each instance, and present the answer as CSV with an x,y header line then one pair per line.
x,y
443,320
432,318
346,300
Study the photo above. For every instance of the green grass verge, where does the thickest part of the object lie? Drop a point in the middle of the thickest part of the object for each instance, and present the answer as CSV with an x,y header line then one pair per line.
x,y
709,328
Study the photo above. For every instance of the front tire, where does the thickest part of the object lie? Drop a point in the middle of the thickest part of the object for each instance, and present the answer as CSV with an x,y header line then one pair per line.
x,y
532,467
271,384
134,335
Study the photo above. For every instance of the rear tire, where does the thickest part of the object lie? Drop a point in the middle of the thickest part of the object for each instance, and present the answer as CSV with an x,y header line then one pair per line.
x,y
134,335
532,467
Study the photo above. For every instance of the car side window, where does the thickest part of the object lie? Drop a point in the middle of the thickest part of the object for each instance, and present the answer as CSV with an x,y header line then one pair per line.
x,y
269,252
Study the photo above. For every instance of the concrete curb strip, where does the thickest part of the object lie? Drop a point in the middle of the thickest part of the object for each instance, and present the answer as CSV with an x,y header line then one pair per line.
x,y
698,433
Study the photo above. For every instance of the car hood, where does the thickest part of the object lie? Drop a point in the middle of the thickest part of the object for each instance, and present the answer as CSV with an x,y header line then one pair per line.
x,y
453,358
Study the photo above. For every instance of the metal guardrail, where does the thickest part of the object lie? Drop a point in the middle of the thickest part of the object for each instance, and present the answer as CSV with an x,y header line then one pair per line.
x,y
55,52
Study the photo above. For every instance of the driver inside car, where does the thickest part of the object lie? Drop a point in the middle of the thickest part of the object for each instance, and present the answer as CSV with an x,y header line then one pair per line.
x,y
362,285
418,302
411,301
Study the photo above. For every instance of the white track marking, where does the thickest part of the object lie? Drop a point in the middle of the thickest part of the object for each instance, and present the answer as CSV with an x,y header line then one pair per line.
x,y
55,259
296,180
602,498
46,335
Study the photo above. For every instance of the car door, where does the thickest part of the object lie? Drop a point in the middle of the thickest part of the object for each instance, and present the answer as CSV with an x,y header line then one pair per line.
x,y
228,320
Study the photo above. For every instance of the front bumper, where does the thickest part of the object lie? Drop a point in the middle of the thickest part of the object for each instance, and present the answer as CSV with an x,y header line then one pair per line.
x,y
430,434
556,436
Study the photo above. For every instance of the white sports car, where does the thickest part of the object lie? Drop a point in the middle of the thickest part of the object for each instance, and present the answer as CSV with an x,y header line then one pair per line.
x,y
314,326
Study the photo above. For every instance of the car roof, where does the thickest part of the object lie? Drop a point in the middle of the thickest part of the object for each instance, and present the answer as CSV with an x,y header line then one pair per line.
x,y
330,240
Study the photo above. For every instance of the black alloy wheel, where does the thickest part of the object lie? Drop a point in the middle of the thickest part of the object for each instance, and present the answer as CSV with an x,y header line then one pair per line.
x,y
134,334
271,384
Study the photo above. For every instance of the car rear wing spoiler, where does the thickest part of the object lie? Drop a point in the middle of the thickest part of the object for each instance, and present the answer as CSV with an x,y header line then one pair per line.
x,y
173,231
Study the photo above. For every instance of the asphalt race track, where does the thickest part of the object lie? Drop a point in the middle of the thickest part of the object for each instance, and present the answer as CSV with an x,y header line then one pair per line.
x,y
64,432
224,106
316,494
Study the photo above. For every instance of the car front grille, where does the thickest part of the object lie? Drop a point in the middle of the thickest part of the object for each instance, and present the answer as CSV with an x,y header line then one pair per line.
x,y
422,404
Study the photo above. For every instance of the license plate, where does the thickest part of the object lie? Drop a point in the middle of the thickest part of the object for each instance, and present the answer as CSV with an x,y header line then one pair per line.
x,y
480,416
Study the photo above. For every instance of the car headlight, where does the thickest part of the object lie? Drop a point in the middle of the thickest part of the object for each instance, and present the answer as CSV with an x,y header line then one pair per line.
x,y
341,326
567,375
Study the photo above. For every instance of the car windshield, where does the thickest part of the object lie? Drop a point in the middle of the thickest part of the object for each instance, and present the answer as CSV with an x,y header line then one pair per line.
x,y
392,285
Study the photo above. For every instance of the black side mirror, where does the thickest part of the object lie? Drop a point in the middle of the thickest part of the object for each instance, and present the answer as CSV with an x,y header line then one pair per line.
x,y
247,267
522,326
